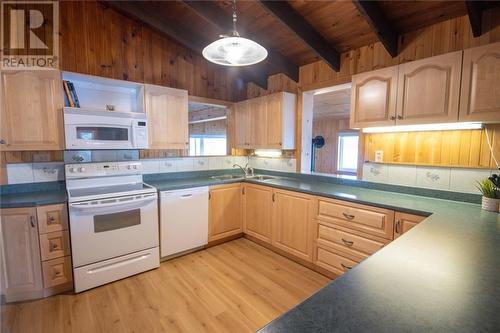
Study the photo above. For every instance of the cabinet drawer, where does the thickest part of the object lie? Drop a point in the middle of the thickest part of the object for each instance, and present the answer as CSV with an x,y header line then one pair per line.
x,y
56,272
371,220
52,218
333,261
350,243
54,245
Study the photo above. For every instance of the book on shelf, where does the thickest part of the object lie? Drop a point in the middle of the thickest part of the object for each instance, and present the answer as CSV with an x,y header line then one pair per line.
x,y
73,94
70,94
67,95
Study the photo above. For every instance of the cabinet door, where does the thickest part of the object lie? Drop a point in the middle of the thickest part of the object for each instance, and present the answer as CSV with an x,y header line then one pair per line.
x,y
404,222
258,124
225,212
428,90
242,124
480,96
274,120
167,111
373,98
292,223
21,254
31,111
257,210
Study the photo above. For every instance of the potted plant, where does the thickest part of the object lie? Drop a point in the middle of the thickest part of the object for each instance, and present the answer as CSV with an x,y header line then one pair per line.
x,y
495,179
490,201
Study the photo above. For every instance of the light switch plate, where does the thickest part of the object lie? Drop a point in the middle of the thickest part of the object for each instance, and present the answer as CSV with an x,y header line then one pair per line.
x,y
379,156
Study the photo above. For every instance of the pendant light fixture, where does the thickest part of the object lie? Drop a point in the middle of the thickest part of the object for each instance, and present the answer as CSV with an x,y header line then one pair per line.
x,y
234,50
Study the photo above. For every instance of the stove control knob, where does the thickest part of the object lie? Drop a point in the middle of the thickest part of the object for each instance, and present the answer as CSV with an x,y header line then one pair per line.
x,y
81,169
135,167
71,170
129,167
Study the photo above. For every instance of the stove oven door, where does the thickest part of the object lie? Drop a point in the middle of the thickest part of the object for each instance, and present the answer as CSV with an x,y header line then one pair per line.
x,y
108,228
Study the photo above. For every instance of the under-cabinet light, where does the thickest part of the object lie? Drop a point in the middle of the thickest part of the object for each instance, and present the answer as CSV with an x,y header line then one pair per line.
x,y
426,127
268,152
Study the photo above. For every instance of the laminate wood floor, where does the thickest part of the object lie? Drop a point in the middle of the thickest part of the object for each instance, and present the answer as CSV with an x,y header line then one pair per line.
x,y
237,286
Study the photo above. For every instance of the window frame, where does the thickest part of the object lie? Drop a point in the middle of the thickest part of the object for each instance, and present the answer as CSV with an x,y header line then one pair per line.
x,y
203,136
340,171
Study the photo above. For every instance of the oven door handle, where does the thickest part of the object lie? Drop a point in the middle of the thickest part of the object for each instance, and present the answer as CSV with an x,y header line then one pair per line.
x,y
116,204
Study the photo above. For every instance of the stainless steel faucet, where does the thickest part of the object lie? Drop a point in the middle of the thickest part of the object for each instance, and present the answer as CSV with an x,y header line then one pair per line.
x,y
247,170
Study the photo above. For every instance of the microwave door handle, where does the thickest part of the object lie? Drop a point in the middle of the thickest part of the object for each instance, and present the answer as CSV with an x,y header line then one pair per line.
x,y
132,134
134,203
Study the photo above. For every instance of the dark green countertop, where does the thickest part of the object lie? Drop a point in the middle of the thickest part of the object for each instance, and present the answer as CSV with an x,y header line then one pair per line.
x,y
32,199
442,276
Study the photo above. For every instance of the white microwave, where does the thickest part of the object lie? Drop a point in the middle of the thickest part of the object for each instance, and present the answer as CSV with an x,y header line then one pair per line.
x,y
105,130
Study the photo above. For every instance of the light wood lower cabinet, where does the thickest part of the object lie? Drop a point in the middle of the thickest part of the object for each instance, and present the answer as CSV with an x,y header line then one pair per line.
x,y
292,223
36,263
404,222
225,211
20,254
334,262
368,219
257,211
350,242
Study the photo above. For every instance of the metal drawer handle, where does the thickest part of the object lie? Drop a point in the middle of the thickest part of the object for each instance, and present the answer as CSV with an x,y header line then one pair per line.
x,y
54,246
347,243
348,216
398,226
32,221
344,266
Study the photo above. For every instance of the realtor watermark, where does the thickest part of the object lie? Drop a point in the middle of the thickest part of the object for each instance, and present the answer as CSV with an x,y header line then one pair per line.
x,y
30,35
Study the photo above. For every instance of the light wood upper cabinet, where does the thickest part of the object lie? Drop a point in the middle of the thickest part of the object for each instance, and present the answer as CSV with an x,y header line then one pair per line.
x,y
225,211
281,120
373,98
21,254
292,223
266,122
257,211
167,112
429,90
404,222
31,116
242,124
480,94
257,108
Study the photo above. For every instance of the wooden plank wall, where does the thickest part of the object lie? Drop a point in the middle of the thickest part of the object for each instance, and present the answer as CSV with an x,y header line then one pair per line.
x,y
329,128
98,40
447,36
465,148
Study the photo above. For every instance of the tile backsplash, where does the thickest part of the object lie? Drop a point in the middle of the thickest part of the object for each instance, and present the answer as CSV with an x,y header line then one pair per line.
x,y
448,179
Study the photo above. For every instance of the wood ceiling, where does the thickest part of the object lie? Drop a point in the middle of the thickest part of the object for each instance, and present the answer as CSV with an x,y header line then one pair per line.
x,y
297,32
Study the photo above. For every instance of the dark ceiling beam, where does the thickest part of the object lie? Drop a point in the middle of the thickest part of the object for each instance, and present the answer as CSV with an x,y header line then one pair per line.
x,y
283,12
193,42
218,17
375,17
475,13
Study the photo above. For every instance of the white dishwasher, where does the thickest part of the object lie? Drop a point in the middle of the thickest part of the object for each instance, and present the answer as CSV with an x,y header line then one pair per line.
x,y
183,220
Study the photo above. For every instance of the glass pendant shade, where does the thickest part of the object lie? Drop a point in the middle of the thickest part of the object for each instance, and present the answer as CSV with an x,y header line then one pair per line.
x,y
234,51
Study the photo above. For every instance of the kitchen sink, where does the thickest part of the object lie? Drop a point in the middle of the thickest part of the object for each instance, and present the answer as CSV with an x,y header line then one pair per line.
x,y
261,177
227,177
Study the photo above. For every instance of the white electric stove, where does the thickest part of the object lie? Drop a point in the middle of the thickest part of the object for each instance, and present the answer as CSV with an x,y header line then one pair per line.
x,y
113,222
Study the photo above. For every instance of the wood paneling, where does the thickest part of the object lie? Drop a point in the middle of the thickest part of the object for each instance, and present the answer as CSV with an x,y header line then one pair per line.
x,y
447,36
329,128
465,148
98,40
